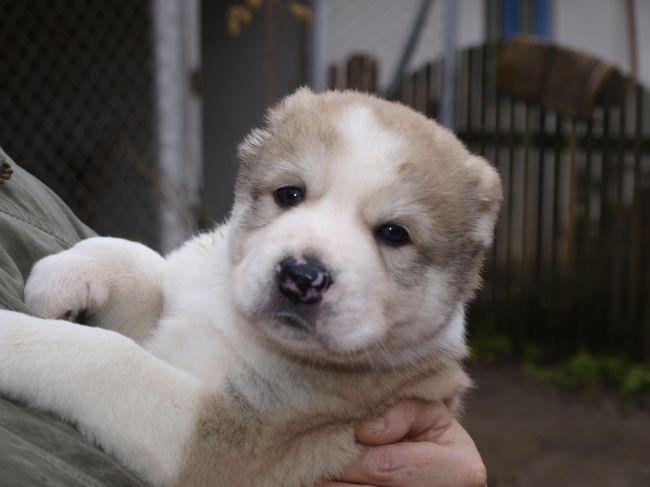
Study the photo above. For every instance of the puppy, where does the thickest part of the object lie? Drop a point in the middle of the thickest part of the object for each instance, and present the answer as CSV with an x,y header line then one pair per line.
x,y
336,288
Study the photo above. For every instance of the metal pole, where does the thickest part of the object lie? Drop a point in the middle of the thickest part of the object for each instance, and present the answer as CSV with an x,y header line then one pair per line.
x,y
409,47
633,53
449,65
178,108
318,75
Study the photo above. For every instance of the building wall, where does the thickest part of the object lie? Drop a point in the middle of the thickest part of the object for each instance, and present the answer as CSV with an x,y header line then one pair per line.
x,y
381,28
236,93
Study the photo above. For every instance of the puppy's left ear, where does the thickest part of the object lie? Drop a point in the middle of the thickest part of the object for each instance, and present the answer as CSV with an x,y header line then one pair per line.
x,y
487,187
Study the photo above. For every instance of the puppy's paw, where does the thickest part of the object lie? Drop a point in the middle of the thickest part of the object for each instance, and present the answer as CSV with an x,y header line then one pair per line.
x,y
105,282
66,286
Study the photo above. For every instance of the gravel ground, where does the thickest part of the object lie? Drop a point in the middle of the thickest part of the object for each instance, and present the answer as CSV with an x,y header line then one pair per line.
x,y
532,435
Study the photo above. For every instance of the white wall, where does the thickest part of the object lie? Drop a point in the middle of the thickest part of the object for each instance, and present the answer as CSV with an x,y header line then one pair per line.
x,y
381,28
600,28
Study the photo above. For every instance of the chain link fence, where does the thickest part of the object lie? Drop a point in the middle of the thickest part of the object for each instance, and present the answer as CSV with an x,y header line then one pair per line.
x,y
77,107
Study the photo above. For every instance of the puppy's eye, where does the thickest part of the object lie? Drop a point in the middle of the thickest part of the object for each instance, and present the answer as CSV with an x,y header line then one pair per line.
x,y
393,234
288,196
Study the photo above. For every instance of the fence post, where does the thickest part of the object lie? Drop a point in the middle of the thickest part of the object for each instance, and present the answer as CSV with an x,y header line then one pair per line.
x,y
361,73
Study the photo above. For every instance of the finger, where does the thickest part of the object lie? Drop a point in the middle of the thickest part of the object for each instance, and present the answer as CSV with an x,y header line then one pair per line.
x,y
387,465
408,418
445,433
345,484
416,464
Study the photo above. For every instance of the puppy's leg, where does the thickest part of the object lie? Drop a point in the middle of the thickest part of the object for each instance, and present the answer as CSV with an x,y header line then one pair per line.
x,y
115,283
135,406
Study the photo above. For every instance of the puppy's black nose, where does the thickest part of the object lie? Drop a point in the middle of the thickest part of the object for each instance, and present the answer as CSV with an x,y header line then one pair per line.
x,y
303,282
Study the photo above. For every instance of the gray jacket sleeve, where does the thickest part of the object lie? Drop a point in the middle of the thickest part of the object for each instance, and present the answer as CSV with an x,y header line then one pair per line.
x,y
37,449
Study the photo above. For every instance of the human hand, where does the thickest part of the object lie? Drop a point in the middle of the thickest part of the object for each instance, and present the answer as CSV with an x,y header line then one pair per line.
x,y
415,443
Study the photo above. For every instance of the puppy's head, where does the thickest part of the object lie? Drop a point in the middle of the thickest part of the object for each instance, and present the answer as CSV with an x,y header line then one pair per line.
x,y
359,229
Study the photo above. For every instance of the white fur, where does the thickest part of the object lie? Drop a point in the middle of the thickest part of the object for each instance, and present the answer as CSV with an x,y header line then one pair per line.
x,y
67,283
137,407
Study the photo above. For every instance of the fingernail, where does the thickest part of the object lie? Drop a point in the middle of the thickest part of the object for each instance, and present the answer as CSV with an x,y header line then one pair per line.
x,y
376,424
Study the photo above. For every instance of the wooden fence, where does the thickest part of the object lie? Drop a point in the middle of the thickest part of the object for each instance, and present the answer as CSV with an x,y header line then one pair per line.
x,y
570,136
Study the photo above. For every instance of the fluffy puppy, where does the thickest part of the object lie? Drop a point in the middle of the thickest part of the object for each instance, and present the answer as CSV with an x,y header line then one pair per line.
x,y
337,287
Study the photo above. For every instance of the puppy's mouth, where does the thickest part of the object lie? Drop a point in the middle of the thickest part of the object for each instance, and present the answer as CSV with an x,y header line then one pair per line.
x,y
293,320
295,332
298,337
303,331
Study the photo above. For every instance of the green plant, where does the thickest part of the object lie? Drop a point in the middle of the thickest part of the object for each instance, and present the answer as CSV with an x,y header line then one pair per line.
x,y
490,347
591,374
584,372
581,372
636,380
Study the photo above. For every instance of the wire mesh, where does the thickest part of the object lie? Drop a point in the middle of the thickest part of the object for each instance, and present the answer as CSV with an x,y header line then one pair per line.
x,y
77,88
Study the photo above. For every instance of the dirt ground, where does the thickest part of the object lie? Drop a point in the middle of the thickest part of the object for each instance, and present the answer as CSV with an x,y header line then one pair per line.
x,y
533,435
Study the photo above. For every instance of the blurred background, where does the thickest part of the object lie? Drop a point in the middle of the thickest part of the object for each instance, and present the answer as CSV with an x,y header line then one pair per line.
x,y
131,110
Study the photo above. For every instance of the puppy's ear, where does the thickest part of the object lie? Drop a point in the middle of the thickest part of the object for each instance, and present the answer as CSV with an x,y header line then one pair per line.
x,y
249,148
300,100
274,117
487,187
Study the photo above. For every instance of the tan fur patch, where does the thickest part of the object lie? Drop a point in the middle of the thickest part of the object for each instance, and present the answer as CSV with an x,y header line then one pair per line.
x,y
235,443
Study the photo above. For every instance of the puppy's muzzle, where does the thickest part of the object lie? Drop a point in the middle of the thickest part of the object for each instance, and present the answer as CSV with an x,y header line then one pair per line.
x,y
303,282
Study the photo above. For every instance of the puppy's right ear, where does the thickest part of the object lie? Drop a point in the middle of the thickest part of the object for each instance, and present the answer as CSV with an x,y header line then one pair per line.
x,y
300,100
487,185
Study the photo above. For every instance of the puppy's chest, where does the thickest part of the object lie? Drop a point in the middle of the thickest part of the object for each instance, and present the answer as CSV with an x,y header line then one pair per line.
x,y
237,443
264,433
